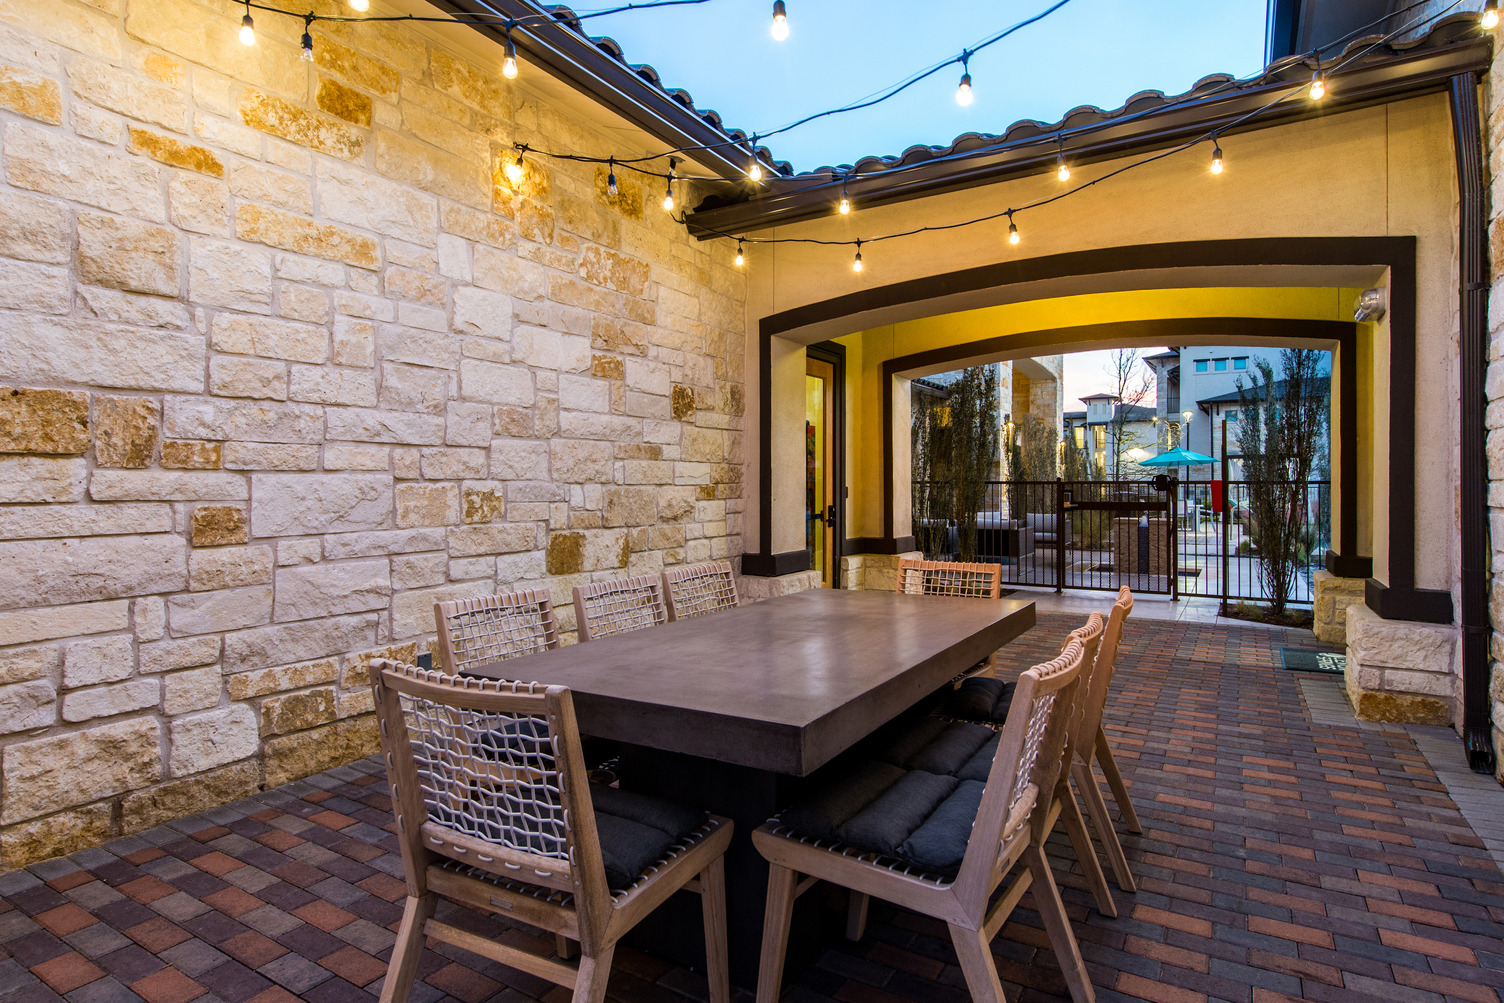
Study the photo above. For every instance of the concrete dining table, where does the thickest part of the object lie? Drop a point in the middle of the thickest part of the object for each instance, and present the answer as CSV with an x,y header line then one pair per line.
x,y
731,711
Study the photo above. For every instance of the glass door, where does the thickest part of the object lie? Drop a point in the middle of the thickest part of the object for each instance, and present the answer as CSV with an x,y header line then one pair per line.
x,y
819,468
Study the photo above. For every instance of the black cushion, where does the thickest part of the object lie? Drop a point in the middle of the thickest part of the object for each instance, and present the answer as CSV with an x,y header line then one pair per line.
x,y
839,796
980,764
884,824
981,698
636,831
930,744
940,842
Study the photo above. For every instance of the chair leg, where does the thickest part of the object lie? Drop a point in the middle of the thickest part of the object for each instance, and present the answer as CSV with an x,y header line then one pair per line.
x,y
406,953
1086,851
775,932
1115,782
856,916
595,971
563,946
1096,809
1058,926
975,954
713,910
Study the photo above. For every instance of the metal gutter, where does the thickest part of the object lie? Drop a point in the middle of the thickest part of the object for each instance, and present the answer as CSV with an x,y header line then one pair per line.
x,y
575,59
1467,136
1122,133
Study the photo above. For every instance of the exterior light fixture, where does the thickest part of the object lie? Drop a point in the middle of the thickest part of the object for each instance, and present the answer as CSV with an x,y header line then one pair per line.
x,y
509,57
1062,169
668,192
1318,86
516,170
856,263
1216,159
963,92
754,168
1490,16
844,206
741,259
1187,416
360,6
611,179
1012,229
780,21
307,52
247,28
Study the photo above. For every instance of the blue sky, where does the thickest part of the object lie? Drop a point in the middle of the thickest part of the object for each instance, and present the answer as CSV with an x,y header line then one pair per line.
x,y
1089,52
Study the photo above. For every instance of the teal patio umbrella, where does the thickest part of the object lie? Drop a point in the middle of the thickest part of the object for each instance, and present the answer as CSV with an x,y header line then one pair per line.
x,y
1177,457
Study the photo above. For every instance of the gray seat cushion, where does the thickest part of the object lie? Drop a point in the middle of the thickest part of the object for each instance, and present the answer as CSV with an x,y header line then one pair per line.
x,y
938,845
981,698
636,831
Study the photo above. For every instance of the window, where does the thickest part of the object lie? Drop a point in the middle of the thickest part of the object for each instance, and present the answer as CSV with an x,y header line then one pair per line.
x,y
1240,363
1080,437
1221,365
1200,365
1099,437
1230,415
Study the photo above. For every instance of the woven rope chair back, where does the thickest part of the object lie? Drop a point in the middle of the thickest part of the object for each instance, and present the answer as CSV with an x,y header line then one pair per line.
x,y
474,632
488,773
949,578
1089,635
1025,766
703,588
615,607
1095,700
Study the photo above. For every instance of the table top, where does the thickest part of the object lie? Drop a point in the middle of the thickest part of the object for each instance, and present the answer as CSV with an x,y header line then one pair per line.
x,y
782,685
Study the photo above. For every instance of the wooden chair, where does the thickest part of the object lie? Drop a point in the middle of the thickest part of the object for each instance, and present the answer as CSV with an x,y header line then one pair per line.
x,y
700,589
474,632
949,578
493,812
615,607
1010,827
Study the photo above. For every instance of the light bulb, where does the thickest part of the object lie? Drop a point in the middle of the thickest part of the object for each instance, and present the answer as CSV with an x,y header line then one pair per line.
x,y
307,54
247,31
1062,169
856,264
668,202
360,6
1217,160
611,183
1490,18
845,206
741,259
515,171
1012,232
963,93
1318,86
509,59
780,21
754,170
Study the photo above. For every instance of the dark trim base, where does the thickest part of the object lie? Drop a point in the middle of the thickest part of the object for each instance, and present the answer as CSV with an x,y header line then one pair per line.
x,y
774,565
1349,567
1420,605
879,545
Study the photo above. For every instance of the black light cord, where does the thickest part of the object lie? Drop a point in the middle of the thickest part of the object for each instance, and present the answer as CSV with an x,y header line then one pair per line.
x,y
499,20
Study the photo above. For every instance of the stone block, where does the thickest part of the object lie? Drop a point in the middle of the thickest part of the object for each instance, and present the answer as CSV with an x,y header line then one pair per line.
x,y
311,504
221,273
30,94
340,457
494,383
261,379
482,502
150,616
176,153
1398,644
185,653
49,162
422,166
27,625
229,567
324,385
581,461
358,69
34,229
366,425
245,421
200,742
257,183
129,94
755,589
270,456
125,431
188,454
61,771
1333,596
199,205
293,757
290,122
270,338
49,572
428,505
412,612
483,313
162,485
180,26
414,388
26,479
356,197
331,588
98,660
381,544
217,525
297,711
300,641
111,701
416,571
189,796
28,705
55,835
280,678
275,228
19,665
102,355
43,421
495,538
214,612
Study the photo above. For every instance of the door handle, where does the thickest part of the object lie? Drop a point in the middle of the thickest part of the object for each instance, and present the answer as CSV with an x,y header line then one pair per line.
x,y
830,516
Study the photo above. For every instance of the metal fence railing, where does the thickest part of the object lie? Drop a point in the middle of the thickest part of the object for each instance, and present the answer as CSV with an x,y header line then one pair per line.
x,y
1157,536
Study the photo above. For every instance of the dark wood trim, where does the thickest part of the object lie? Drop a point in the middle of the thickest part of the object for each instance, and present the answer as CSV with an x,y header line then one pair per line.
x,y
1421,605
1347,473
1395,253
1421,71
765,449
1349,567
880,545
773,565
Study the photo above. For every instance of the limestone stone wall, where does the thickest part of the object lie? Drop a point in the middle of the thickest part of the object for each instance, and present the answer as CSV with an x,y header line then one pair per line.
x,y
285,360
1494,138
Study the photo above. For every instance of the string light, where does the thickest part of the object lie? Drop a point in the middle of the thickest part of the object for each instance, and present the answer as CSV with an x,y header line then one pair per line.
x,y
360,6
307,54
856,263
1490,17
845,205
247,28
516,170
1318,86
1216,159
668,194
509,57
963,92
754,169
1062,169
1012,229
741,258
780,21
611,180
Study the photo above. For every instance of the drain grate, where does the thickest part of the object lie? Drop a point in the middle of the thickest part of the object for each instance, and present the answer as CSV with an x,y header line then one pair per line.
x,y
1311,660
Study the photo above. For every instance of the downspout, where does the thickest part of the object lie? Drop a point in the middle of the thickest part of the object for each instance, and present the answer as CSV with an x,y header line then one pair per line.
x,y
1467,135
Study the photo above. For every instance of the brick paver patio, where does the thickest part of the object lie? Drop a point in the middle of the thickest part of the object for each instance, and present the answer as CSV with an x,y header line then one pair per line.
x,y
1281,859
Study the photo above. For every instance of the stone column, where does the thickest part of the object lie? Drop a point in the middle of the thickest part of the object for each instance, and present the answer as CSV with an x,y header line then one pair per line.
x,y
1399,670
1333,596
